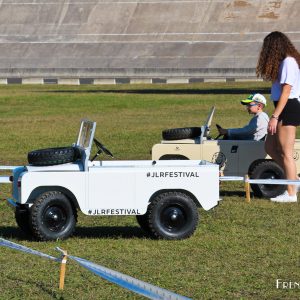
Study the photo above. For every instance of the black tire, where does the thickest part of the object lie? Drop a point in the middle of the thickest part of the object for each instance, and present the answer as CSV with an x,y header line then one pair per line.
x,y
52,217
181,133
173,157
53,156
254,164
172,216
143,221
267,169
22,216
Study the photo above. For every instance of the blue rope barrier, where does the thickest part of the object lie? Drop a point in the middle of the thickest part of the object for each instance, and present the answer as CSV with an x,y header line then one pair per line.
x,y
128,282
18,247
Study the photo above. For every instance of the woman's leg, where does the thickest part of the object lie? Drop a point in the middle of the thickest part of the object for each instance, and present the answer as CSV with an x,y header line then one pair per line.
x,y
273,149
286,139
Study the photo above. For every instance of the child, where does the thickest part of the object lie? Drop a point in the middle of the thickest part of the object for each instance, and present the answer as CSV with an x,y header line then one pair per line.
x,y
257,127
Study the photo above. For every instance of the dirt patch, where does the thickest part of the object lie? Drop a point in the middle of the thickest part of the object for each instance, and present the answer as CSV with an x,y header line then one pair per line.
x,y
269,15
241,3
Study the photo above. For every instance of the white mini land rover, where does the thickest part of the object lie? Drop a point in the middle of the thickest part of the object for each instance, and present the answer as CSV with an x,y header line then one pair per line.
x,y
163,195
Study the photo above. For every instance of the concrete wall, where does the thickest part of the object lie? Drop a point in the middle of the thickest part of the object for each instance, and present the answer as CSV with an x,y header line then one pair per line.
x,y
139,39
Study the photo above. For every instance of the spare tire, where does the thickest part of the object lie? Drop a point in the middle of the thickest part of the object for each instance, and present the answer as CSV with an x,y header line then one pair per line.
x,y
53,156
181,133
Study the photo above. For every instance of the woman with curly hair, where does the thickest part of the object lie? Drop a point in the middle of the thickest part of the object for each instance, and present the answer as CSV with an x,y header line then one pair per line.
x,y
279,62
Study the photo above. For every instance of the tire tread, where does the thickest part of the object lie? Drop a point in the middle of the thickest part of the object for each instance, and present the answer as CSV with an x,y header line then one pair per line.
x,y
255,171
152,226
53,156
37,233
181,133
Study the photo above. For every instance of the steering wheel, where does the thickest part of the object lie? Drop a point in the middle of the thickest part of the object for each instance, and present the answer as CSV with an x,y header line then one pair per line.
x,y
218,136
101,148
225,137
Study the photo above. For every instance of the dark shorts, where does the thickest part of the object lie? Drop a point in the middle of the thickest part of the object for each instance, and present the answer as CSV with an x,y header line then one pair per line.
x,y
291,113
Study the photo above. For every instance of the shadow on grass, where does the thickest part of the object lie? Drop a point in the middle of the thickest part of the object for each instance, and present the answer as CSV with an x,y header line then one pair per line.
x,y
232,193
13,232
126,232
168,91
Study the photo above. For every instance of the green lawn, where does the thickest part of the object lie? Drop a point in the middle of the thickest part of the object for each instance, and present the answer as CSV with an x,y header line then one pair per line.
x,y
239,249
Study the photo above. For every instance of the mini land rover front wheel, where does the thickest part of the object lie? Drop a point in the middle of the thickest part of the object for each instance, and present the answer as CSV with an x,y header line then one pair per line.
x,y
52,216
267,169
172,216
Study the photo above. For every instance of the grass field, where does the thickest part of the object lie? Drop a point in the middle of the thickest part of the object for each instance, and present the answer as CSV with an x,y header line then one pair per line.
x,y
238,251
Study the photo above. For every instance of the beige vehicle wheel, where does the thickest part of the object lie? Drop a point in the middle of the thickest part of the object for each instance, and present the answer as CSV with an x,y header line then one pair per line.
x,y
266,169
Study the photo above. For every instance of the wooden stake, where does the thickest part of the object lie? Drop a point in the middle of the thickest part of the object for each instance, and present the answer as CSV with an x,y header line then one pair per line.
x,y
63,266
247,188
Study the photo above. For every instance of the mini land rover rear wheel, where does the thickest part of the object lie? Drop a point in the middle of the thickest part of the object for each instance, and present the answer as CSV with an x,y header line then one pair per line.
x,y
172,216
22,216
267,169
52,216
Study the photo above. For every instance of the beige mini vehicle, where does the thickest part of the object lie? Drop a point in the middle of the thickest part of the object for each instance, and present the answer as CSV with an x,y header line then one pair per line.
x,y
235,157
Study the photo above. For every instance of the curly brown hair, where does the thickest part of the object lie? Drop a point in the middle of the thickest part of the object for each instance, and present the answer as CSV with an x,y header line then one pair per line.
x,y
276,47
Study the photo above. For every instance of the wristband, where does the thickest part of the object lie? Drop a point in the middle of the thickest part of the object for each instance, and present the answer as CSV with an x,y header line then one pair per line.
x,y
274,117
